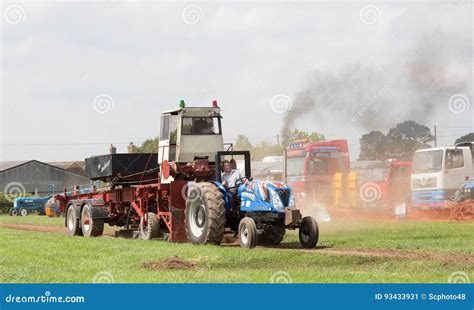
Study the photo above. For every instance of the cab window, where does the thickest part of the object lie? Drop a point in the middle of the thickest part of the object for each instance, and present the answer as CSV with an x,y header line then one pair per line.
x,y
201,126
165,127
454,159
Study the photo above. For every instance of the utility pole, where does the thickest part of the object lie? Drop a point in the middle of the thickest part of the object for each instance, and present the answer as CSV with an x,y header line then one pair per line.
x,y
435,137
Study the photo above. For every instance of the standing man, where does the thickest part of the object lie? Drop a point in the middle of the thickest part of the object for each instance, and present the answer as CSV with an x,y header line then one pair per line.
x,y
229,178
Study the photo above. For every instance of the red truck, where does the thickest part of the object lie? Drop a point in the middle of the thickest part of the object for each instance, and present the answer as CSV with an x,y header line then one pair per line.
x,y
310,167
384,183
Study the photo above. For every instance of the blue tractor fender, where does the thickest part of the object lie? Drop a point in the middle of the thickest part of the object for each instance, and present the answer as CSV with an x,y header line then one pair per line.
x,y
223,190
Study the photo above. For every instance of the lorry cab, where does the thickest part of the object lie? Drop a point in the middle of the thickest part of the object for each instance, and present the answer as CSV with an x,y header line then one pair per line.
x,y
438,173
310,167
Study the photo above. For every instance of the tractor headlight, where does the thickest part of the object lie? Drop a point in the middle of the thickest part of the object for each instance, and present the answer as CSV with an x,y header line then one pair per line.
x,y
291,203
276,201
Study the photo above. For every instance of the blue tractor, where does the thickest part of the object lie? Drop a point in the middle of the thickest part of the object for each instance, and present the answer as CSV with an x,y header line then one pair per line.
x,y
259,215
26,205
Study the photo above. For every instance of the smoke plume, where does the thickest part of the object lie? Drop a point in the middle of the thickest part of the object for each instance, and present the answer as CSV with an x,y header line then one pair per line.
x,y
377,97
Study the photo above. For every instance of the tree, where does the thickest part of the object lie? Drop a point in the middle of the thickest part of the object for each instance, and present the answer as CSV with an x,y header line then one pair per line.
x,y
407,137
411,130
148,146
372,146
400,142
466,138
297,134
242,143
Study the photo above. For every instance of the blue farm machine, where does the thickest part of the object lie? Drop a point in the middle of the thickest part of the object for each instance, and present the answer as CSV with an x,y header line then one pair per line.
x,y
26,205
177,194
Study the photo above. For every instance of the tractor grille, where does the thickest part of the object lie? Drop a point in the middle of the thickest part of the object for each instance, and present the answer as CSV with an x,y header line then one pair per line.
x,y
284,196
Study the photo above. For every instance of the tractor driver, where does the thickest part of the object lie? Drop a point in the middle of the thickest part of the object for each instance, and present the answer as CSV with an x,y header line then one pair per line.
x,y
229,178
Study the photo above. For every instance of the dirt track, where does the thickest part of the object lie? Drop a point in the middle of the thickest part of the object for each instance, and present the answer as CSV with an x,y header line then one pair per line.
x,y
365,252
389,253
41,228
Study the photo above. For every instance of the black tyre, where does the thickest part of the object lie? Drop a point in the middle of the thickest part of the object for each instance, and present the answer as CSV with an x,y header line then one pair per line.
x,y
14,212
23,212
272,235
72,223
205,214
149,228
10,211
91,227
308,232
247,233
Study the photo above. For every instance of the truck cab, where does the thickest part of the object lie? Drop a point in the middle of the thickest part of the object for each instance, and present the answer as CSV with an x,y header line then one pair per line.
x,y
438,173
310,167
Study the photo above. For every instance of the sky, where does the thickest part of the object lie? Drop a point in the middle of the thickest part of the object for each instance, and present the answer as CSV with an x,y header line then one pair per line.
x,y
79,75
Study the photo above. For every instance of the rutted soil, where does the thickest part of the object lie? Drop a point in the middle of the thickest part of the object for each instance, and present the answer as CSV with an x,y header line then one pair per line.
x,y
395,254
170,263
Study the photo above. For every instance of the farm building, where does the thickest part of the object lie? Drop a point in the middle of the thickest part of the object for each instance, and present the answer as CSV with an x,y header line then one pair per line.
x,y
40,177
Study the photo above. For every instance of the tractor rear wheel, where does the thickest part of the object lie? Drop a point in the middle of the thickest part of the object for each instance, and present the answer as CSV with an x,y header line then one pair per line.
x,y
205,214
247,233
91,227
149,229
72,222
272,234
308,232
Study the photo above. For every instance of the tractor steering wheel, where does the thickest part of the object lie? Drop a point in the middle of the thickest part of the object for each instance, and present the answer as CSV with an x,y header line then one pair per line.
x,y
240,181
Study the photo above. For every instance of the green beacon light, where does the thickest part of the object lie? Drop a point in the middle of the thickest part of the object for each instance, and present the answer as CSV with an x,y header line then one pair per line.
x,y
182,104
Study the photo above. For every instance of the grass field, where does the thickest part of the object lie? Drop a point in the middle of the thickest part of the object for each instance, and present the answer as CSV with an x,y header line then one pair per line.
x,y
404,252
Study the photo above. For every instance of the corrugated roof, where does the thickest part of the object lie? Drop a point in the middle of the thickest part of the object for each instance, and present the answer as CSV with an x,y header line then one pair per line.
x,y
4,165
71,166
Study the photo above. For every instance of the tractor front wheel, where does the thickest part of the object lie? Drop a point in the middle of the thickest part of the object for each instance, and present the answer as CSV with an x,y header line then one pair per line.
x,y
247,233
308,232
23,212
91,227
205,214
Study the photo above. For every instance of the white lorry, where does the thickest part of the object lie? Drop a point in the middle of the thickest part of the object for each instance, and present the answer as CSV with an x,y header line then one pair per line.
x,y
439,174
